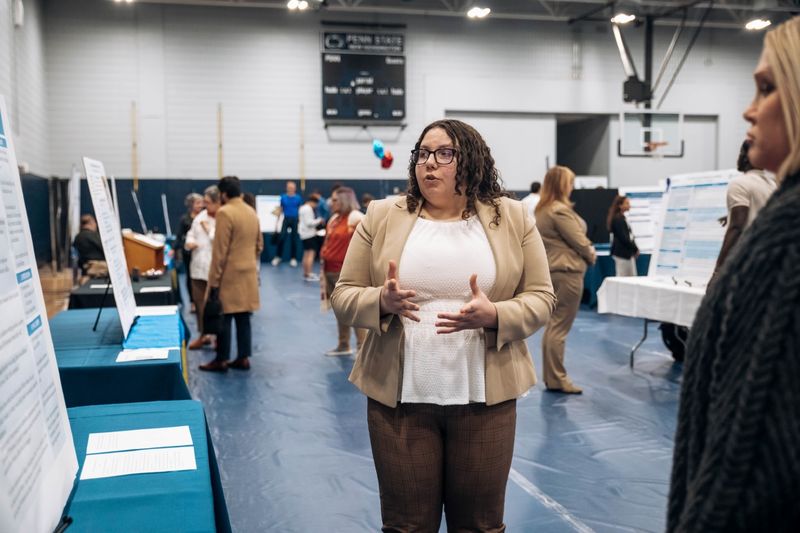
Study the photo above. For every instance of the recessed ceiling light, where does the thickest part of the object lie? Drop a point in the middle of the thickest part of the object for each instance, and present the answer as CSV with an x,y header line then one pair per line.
x,y
623,18
757,24
478,12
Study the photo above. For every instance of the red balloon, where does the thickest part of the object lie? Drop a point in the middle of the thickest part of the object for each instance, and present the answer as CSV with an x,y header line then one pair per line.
x,y
387,159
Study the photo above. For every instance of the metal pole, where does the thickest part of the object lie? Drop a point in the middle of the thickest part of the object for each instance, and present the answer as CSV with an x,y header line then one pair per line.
x,y
220,153
134,148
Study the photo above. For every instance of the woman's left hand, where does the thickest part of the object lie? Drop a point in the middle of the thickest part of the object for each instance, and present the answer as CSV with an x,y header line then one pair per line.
x,y
478,313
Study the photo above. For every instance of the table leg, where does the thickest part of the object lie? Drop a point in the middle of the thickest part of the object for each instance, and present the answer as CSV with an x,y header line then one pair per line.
x,y
641,341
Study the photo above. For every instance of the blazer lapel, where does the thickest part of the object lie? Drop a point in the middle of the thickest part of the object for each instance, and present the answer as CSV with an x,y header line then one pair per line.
x,y
497,242
399,224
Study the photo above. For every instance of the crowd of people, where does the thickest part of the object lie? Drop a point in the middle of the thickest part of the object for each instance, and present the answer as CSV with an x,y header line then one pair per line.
x,y
443,285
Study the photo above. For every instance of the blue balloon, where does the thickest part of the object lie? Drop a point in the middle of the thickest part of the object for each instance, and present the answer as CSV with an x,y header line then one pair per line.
x,y
377,148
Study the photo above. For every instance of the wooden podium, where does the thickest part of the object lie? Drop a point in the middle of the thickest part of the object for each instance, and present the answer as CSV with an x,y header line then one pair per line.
x,y
142,252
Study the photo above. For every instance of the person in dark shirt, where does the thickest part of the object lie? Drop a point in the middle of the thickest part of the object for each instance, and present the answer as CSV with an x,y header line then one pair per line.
x,y
623,247
91,257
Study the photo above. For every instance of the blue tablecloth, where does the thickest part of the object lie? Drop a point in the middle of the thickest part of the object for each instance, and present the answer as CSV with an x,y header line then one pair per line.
x,y
91,376
172,501
73,329
87,363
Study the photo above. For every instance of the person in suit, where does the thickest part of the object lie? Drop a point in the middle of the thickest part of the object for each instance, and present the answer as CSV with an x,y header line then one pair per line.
x,y
449,281
569,252
623,246
736,464
233,274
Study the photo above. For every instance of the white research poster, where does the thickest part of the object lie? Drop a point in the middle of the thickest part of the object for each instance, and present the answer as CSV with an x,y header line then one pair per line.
x,y
111,235
38,456
691,235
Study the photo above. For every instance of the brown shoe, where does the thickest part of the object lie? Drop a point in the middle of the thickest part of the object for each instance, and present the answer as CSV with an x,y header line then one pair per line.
x,y
197,344
215,366
242,363
569,388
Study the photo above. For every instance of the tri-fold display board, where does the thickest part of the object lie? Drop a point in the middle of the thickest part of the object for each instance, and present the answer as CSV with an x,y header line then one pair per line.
x,y
37,454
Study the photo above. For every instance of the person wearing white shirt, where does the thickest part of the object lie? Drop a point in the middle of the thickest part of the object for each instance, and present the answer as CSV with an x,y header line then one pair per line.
x,y
200,240
532,199
307,230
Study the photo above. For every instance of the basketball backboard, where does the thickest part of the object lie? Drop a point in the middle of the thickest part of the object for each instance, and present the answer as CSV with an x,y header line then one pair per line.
x,y
650,134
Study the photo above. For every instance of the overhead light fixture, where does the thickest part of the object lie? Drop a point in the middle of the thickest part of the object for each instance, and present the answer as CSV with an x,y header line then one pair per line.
x,y
478,12
622,18
300,5
757,24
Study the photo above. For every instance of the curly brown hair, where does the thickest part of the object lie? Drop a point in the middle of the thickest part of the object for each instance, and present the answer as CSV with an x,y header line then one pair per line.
x,y
475,172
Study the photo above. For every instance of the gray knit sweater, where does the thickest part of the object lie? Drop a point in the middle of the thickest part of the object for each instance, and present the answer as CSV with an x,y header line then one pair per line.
x,y
737,449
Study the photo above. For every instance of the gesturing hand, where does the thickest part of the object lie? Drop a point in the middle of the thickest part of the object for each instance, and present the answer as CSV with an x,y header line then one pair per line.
x,y
477,313
395,301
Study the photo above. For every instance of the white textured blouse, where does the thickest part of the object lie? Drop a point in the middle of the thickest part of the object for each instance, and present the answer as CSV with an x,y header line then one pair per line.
x,y
197,234
437,262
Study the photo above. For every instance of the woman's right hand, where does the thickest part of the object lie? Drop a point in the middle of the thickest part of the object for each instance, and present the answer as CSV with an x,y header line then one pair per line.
x,y
394,300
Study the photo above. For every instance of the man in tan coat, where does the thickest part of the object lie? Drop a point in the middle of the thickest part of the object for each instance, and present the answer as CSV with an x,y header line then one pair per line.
x,y
233,275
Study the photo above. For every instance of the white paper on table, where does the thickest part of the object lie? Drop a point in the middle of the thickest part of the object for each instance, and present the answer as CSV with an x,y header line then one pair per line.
x,y
157,310
138,439
138,462
142,354
155,289
99,285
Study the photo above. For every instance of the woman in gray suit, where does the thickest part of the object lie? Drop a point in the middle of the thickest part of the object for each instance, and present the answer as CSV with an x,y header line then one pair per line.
x,y
449,281
569,252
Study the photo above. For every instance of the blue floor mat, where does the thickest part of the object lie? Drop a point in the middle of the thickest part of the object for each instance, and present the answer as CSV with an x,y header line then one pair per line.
x,y
293,447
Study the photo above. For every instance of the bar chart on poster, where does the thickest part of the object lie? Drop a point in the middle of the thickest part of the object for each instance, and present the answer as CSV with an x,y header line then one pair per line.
x,y
38,461
111,235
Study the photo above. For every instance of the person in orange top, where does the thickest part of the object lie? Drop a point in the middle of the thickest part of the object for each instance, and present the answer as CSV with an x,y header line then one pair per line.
x,y
339,232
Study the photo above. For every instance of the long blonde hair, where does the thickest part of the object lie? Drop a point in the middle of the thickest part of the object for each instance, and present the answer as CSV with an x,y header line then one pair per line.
x,y
556,187
782,47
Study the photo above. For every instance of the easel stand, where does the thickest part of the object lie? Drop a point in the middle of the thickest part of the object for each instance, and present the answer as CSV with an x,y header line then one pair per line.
x,y
66,521
102,303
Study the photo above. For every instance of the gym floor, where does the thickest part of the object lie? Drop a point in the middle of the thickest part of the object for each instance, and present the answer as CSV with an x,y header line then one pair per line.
x,y
293,448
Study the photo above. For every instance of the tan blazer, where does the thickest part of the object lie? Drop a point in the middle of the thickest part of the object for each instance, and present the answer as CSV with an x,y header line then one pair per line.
x,y
564,235
235,259
523,295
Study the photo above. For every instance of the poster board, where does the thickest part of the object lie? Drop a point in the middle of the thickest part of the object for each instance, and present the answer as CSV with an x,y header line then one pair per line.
x,y
111,235
38,455
691,235
74,204
266,206
644,215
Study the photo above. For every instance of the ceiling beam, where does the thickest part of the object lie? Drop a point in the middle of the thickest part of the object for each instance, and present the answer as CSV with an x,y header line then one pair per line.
x,y
409,11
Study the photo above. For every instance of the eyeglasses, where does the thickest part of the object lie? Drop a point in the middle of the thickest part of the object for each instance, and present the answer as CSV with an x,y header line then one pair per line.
x,y
442,156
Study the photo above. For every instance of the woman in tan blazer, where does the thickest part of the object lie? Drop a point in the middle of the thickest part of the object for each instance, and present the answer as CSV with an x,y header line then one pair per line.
x,y
449,282
233,274
569,252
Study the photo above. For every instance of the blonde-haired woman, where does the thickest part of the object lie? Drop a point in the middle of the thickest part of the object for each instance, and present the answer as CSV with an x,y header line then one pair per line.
x,y
736,464
569,252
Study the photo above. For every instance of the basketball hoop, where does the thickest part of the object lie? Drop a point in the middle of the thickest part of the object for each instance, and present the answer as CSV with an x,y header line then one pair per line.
x,y
653,147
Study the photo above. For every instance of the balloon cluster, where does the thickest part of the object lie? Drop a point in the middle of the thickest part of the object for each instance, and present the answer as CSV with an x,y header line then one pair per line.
x,y
381,153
